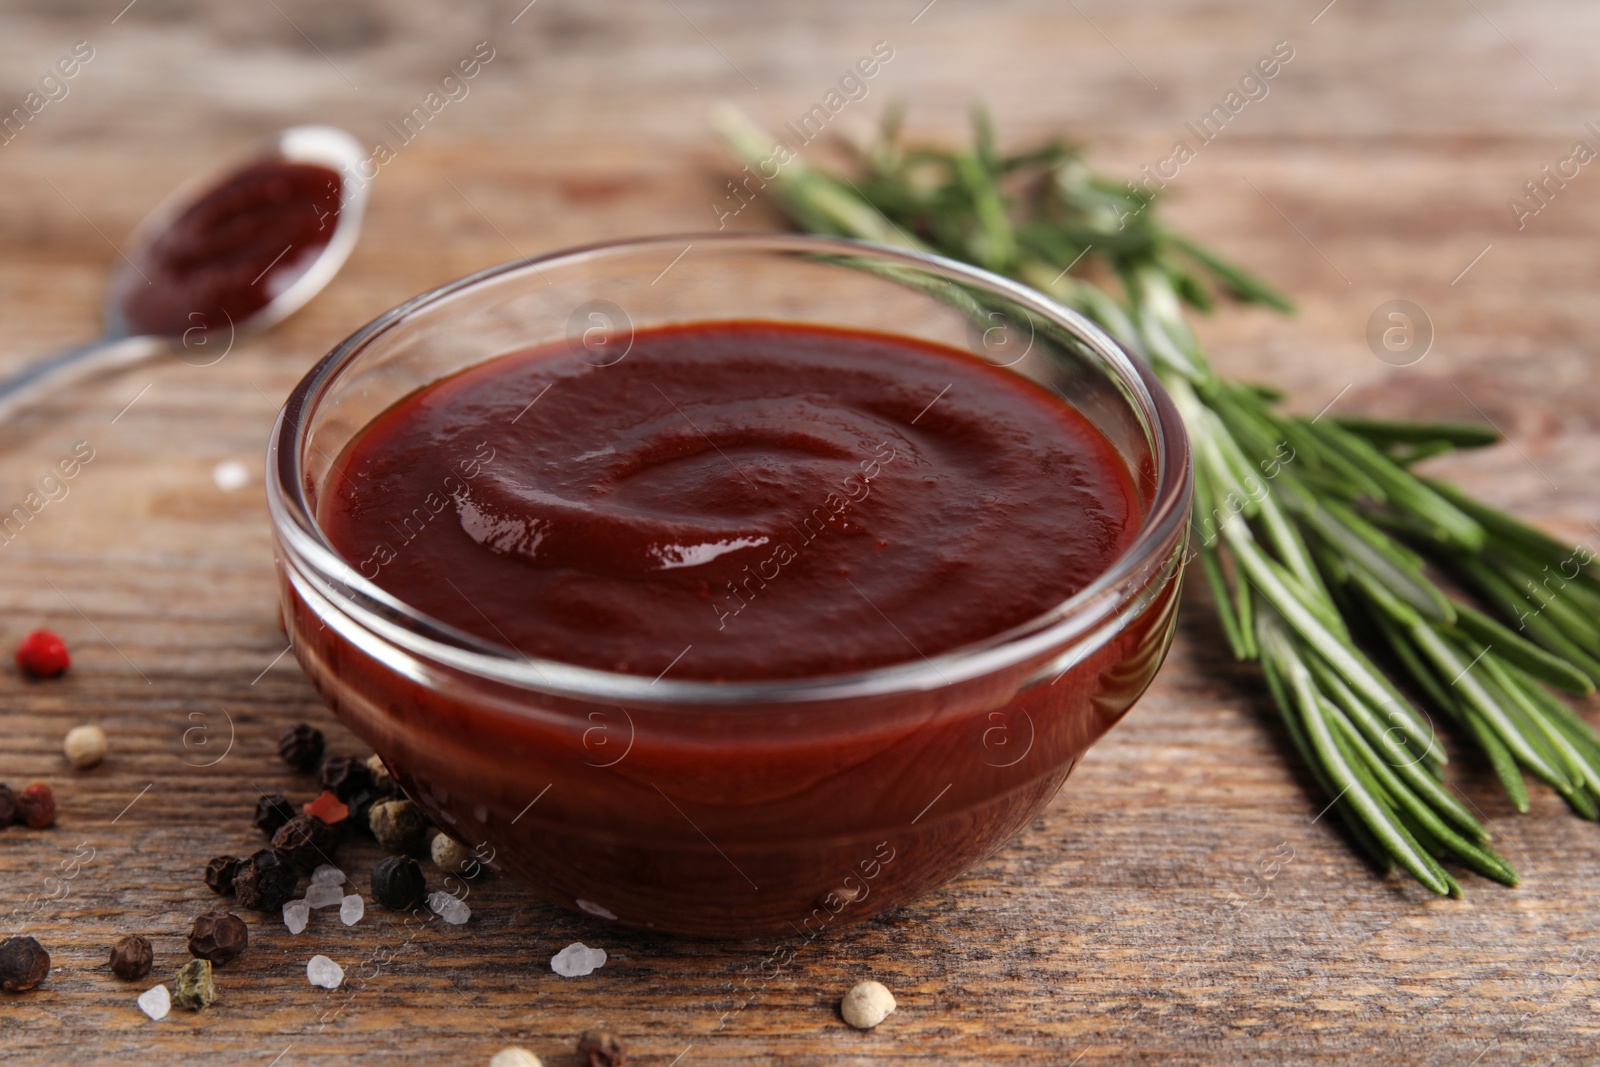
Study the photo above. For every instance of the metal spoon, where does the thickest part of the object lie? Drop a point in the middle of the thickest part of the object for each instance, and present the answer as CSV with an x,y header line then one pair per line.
x,y
120,345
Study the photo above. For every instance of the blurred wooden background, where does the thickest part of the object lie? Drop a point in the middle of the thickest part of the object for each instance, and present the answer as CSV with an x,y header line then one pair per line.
x,y
1133,922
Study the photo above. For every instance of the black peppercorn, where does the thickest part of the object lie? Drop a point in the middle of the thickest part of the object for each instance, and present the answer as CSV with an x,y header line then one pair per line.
x,y
8,806
397,883
272,811
301,747
360,817
218,936
306,842
23,964
131,958
220,872
596,1048
265,881
344,776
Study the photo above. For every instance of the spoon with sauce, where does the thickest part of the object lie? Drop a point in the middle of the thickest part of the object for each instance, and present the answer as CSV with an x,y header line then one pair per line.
x,y
229,254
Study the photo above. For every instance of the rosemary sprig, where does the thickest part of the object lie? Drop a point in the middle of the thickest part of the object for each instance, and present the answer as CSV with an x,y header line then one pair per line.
x,y
1317,539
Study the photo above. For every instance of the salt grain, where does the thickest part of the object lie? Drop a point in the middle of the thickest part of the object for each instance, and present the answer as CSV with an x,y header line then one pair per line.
x,y
321,971
155,1002
351,908
448,908
296,914
324,895
596,909
230,475
577,959
327,874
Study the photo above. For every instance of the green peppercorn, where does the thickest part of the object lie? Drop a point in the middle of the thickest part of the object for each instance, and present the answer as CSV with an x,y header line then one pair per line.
x,y
398,825
196,989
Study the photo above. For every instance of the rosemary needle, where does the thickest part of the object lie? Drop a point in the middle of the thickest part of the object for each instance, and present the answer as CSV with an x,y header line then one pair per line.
x,y
1330,570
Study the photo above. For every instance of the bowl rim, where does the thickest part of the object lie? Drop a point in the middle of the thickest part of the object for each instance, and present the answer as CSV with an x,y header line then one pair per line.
x,y
1083,618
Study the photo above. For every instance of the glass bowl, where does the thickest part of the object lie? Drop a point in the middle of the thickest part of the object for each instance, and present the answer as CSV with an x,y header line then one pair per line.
x,y
739,808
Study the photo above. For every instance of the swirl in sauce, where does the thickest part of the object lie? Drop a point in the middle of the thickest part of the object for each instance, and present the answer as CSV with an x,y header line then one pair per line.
x,y
736,500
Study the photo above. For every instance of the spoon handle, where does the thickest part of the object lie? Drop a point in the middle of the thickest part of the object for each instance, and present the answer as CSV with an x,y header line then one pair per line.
x,y
71,364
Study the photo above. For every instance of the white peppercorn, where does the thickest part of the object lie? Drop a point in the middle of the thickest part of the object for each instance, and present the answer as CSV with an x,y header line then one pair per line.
x,y
383,783
452,856
85,746
866,1005
515,1057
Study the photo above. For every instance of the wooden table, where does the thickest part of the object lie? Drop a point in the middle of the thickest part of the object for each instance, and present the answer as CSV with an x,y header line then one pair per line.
x,y
1130,923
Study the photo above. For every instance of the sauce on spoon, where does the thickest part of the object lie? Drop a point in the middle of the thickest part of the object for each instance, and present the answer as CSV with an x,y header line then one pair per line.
x,y
232,251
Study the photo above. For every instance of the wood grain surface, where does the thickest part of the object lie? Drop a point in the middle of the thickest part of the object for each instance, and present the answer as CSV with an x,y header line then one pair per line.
x,y
1180,902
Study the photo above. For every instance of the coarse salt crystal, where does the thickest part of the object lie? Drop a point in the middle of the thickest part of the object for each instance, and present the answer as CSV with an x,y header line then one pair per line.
x,y
321,971
296,914
596,909
327,874
351,908
155,1002
323,895
230,474
448,908
577,959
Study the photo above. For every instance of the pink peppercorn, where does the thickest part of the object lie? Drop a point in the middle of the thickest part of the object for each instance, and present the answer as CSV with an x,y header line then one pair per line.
x,y
36,805
327,807
43,654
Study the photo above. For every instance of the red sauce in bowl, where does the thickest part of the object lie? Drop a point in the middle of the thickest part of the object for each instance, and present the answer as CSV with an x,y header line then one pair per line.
x,y
733,520
733,501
